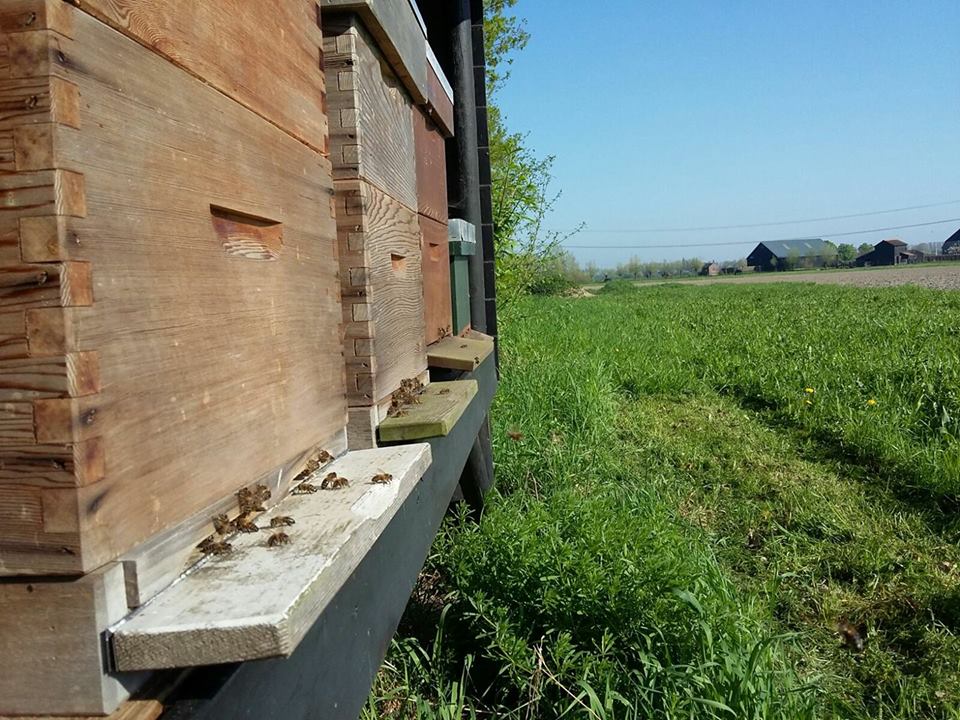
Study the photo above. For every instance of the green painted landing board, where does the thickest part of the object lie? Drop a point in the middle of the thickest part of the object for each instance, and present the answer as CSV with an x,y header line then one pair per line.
x,y
458,353
441,405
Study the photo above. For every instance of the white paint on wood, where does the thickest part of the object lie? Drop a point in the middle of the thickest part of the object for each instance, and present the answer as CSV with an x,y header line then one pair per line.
x,y
260,601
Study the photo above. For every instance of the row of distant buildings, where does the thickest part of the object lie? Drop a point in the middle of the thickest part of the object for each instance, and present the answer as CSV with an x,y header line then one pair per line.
x,y
814,252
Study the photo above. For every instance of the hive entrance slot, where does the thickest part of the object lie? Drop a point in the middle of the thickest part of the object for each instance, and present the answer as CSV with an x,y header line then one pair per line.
x,y
398,262
247,236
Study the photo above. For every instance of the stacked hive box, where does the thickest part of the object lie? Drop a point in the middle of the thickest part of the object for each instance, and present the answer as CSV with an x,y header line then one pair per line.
x,y
429,125
372,148
169,303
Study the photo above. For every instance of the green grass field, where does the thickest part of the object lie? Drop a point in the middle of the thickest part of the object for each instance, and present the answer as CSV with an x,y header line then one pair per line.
x,y
696,484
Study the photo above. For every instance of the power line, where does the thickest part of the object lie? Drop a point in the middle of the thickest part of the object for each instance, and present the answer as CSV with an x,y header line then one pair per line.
x,y
747,242
703,228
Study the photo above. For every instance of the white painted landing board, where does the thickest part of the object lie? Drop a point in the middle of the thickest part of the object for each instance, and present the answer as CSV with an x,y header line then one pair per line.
x,y
259,602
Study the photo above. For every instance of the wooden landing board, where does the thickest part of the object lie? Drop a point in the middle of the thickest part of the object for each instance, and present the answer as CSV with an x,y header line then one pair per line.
x,y
440,407
271,63
458,353
259,601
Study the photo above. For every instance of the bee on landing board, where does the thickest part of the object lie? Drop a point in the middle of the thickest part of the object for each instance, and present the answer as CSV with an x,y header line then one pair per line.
x,y
246,525
381,478
278,538
333,482
304,489
213,546
281,521
223,525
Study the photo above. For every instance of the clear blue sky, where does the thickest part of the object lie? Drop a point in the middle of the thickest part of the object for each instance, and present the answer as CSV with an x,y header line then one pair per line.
x,y
686,113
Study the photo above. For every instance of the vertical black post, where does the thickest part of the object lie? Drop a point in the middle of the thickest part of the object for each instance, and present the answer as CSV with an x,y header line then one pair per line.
x,y
466,204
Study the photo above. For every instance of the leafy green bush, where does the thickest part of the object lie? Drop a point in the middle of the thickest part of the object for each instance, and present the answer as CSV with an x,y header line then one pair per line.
x,y
616,287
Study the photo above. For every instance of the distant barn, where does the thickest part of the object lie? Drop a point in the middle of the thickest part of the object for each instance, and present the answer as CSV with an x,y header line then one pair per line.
x,y
887,252
952,244
710,269
785,254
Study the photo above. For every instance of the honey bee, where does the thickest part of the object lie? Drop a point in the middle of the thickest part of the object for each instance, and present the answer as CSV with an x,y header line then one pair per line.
x,y
212,546
324,457
281,521
381,478
252,500
304,489
853,636
333,482
278,538
246,525
223,525
445,391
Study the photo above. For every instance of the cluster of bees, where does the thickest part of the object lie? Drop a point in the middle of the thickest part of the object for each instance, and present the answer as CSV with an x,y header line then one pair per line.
x,y
251,501
408,394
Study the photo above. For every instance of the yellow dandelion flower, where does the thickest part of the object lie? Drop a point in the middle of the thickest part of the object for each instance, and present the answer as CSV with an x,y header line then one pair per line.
x,y
808,391
871,402
808,402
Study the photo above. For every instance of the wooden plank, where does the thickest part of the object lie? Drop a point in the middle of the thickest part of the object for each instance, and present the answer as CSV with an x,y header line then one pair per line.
x,y
265,55
439,96
50,639
431,169
53,466
371,115
380,236
458,353
439,409
153,566
399,35
259,601
216,368
13,335
72,375
437,302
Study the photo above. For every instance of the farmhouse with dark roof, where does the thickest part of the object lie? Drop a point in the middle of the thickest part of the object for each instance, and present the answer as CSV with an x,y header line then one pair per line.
x,y
952,244
887,252
784,254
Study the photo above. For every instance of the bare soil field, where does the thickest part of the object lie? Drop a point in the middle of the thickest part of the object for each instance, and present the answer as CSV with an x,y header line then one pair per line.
x,y
939,277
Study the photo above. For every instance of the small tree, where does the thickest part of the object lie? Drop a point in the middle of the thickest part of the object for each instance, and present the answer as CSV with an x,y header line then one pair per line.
x,y
846,252
864,248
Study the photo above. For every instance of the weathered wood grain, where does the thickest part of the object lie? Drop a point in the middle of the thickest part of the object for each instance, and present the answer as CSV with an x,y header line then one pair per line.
x,y
399,33
382,291
441,406
187,365
61,622
437,302
371,115
260,601
153,566
431,168
265,55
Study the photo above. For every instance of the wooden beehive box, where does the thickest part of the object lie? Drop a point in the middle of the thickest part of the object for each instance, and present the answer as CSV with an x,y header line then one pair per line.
x,y
432,203
169,303
373,152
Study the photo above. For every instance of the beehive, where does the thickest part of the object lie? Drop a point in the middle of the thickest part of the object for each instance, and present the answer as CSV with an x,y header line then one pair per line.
x,y
372,149
169,300
432,203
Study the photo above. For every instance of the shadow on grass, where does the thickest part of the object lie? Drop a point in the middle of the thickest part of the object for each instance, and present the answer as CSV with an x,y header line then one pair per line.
x,y
903,485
